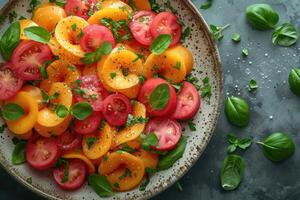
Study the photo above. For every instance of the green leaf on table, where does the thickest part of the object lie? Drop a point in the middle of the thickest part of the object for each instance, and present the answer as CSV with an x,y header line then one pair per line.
x,y
285,35
237,111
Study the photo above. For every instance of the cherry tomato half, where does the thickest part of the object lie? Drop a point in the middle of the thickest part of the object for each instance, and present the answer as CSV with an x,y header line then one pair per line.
x,y
140,26
94,35
146,91
166,23
168,132
76,177
42,153
116,108
10,84
89,125
28,58
80,8
68,141
91,90
188,102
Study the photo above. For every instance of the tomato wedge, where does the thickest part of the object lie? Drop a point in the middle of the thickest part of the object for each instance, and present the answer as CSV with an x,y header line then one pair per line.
x,y
10,84
168,132
68,141
89,125
140,27
28,58
166,23
81,8
90,89
76,175
188,102
116,108
42,153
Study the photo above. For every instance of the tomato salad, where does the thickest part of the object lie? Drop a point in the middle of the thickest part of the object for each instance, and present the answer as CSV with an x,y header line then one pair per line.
x,y
98,91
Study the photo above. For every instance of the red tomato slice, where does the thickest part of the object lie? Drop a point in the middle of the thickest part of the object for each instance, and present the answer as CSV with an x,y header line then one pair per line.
x,y
91,90
166,23
42,153
68,141
94,35
10,84
168,132
146,91
188,102
28,58
140,27
76,178
116,108
89,125
80,8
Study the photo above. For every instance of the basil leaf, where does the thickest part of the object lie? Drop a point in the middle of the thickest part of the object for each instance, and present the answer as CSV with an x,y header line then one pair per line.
x,y
66,171
236,37
262,16
206,5
12,111
232,172
278,147
294,81
160,96
245,52
62,111
252,85
38,34
237,111
81,110
18,156
101,185
285,35
161,43
10,40
166,161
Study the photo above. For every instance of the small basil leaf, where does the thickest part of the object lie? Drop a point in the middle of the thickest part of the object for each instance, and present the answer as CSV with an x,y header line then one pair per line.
x,y
278,147
166,161
38,34
285,35
237,111
217,31
231,148
62,111
262,16
10,40
294,81
232,172
101,185
81,110
245,143
252,85
18,156
160,44
236,37
232,138
12,111
160,96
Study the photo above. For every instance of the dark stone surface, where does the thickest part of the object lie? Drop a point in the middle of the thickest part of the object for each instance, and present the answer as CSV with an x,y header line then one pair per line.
x,y
267,64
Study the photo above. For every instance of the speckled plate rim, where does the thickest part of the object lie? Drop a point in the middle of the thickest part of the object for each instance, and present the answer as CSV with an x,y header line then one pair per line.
x,y
220,83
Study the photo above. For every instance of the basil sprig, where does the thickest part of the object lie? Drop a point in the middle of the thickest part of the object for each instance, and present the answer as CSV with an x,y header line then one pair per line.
x,y
285,35
81,110
161,43
38,34
232,172
160,96
278,147
12,111
10,40
217,31
235,143
237,111
294,81
104,49
18,156
101,185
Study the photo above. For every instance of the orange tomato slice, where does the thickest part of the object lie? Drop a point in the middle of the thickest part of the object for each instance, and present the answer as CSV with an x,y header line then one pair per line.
x,y
150,159
115,14
116,4
186,56
35,93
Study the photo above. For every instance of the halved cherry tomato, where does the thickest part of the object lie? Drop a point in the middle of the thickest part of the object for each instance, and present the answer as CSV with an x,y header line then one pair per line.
x,y
146,91
188,102
10,84
94,35
76,177
166,23
80,8
89,125
168,132
92,91
28,58
140,26
116,108
68,141
42,153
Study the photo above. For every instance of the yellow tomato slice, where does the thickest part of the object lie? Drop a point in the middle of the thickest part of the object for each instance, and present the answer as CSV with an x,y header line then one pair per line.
x,y
115,4
115,14
186,56
35,93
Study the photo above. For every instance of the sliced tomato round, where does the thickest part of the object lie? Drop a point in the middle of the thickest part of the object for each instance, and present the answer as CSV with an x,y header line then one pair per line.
x,y
89,125
76,176
94,35
166,23
80,8
147,89
168,132
10,84
28,58
188,102
42,153
116,108
68,141
140,27
90,89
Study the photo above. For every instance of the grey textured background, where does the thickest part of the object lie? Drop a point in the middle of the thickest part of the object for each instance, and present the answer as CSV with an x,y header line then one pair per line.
x,y
273,108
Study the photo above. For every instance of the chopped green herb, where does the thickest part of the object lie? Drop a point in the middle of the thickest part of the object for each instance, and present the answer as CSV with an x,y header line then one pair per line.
x,y
74,27
206,5
2,18
206,89
113,75
12,16
178,186
90,141
170,7
154,6
71,67
192,125
139,56
131,3
32,5
29,180
252,85
149,140
236,37
178,87
80,34
2,128
185,34
104,49
116,27
62,111
91,10
245,51
142,79
131,120
66,172
116,184
178,65
98,5
126,174
194,80
217,31
43,69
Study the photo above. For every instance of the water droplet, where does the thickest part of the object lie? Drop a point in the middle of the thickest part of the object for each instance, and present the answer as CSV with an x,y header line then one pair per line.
x,y
250,62
271,117
266,54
